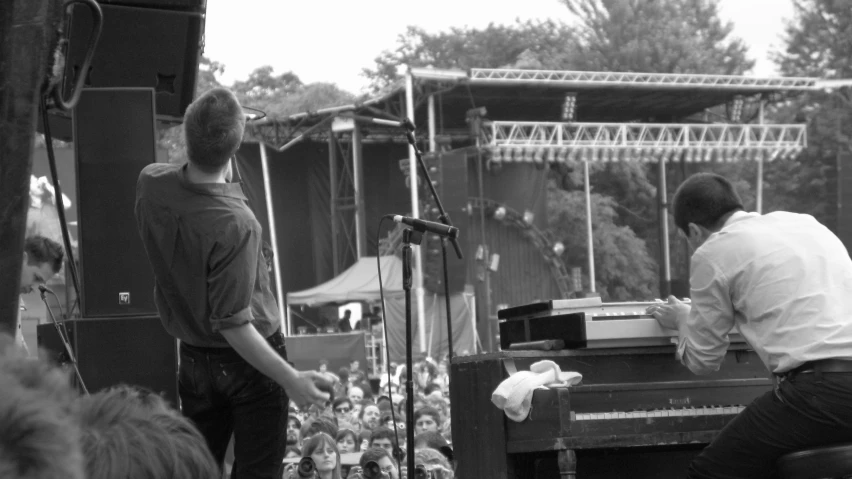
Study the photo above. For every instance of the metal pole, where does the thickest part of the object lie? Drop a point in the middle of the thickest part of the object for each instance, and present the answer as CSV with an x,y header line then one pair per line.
x,y
332,179
273,236
415,213
589,237
759,199
664,226
432,144
358,184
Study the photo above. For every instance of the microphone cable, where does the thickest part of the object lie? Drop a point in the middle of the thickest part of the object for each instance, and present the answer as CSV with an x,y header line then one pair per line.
x,y
387,344
63,336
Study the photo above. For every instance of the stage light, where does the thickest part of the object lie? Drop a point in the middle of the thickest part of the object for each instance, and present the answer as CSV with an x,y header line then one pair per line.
x,y
480,252
737,108
500,213
495,263
529,216
558,248
569,107
497,154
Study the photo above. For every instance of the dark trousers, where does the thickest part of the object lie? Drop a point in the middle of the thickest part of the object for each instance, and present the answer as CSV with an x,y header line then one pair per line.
x,y
807,410
223,394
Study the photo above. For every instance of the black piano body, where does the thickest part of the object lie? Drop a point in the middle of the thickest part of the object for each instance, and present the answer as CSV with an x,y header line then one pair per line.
x,y
631,397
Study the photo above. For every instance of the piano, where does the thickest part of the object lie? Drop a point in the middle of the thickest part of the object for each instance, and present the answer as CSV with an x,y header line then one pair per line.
x,y
634,393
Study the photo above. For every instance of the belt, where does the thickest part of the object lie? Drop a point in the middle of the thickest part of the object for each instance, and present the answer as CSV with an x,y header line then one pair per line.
x,y
272,339
831,365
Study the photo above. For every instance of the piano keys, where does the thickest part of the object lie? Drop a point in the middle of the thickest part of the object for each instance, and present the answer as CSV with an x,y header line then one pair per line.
x,y
634,393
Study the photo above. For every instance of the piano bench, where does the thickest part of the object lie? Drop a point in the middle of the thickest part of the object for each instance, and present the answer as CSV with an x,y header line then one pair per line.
x,y
817,463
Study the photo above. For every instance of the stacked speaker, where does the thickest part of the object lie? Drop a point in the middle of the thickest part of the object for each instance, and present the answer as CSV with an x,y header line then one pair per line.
x,y
144,71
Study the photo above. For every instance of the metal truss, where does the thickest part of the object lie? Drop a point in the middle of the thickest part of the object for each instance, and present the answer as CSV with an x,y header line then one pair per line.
x,y
559,142
343,204
656,80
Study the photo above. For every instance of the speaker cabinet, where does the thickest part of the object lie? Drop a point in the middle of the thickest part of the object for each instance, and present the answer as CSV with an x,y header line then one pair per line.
x,y
139,47
114,139
111,351
448,172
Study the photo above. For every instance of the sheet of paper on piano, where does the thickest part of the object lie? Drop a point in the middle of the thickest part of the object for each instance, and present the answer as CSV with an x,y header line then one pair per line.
x,y
514,394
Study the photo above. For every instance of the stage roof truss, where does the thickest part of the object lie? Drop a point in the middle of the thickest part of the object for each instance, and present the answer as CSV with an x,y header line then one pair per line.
x,y
630,79
558,142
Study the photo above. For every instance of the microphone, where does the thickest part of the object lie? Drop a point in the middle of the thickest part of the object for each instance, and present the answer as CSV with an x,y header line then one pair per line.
x,y
439,229
44,289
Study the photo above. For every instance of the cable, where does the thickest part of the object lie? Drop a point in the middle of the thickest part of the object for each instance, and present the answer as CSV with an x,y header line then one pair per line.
x,y
60,207
58,302
63,336
387,344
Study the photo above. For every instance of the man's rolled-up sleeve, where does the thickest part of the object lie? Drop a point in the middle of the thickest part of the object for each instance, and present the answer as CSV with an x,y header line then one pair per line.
x,y
704,335
231,280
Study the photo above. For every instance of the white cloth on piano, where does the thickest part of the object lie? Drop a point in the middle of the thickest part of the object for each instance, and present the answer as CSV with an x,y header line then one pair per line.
x,y
514,394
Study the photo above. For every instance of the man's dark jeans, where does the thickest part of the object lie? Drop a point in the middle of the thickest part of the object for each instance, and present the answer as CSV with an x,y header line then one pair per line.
x,y
808,410
223,394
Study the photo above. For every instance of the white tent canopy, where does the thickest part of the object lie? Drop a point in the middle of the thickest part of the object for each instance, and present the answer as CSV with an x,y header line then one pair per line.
x,y
360,282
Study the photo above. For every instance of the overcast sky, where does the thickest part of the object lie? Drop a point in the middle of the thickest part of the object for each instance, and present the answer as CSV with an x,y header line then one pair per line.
x,y
332,40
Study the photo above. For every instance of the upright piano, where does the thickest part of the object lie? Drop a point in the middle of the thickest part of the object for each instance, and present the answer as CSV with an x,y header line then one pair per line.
x,y
634,393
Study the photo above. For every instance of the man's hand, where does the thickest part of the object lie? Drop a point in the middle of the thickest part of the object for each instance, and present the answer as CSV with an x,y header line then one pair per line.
x,y
305,388
669,314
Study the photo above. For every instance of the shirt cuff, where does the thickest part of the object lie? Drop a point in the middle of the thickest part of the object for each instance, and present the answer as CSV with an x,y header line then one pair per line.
x,y
233,321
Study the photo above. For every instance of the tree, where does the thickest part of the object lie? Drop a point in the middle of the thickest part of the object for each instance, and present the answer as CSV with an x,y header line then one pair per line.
x,y
661,36
624,269
818,43
494,46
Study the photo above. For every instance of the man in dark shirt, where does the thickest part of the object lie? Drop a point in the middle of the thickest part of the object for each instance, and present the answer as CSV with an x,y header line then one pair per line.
x,y
212,292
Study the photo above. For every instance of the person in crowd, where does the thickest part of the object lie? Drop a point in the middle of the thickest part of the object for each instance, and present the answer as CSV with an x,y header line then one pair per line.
x,y
784,282
434,462
41,435
426,419
323,369
133,433
322,448
342,408
384,438
293,426
370,416
443,377
355,394
364,436
433,440
212,292
344,325
383,458
384,403
42,260
348,441
316,425
356,375
291,452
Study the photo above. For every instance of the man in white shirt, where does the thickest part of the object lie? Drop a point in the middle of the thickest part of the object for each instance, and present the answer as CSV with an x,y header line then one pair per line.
x,y
784,281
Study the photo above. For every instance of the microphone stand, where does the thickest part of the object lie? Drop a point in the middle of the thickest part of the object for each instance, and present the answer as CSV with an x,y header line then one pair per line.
x,y
65,341
409,237
444,217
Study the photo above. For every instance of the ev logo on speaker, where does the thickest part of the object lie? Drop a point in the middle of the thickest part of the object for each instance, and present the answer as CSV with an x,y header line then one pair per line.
x,y
123,298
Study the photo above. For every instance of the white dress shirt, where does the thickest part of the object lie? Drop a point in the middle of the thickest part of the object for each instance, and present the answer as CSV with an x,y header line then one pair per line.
x,y
782,279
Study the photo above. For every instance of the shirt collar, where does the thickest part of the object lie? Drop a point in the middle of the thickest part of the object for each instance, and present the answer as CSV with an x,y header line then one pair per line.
x,y
739,216
228,190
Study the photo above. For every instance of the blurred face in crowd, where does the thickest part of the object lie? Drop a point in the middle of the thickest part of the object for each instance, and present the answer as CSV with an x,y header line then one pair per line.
x,y
292,432
325,457
371,416
442,368
346,444
383,443
356,394
388,467
342,410
323,368
354,365
425,423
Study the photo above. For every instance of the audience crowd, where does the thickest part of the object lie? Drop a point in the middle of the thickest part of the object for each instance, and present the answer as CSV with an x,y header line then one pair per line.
x,y
51,431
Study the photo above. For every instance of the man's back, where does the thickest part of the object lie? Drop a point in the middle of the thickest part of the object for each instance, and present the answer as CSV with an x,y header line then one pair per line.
x,y
790,284
203,243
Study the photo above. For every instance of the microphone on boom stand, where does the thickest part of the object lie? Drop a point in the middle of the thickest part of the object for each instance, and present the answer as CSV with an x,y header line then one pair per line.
x,y
63,335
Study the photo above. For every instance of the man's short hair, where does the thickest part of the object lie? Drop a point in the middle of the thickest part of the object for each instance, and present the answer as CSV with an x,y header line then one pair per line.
x,y
428,456
433,440
41,438
373,454
318,424
428,411
382,433
41,250
129,432
213,126
703,199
